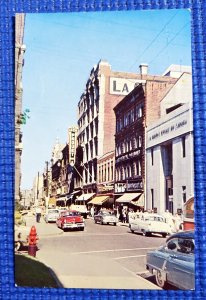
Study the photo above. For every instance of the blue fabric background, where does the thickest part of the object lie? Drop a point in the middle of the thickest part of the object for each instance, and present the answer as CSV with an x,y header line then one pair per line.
x,y
8,8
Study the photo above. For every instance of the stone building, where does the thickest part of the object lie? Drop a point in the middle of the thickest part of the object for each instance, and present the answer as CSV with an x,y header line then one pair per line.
x,y
170,150
19,62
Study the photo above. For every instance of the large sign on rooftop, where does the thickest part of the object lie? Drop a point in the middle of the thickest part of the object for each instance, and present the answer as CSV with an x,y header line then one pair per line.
x,y
123,86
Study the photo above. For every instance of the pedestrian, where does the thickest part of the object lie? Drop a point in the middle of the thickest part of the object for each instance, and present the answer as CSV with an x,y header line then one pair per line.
x,y
92,211
124,214
38,214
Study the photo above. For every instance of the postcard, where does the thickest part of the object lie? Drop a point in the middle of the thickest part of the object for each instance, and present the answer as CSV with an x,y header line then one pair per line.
x,y
104,150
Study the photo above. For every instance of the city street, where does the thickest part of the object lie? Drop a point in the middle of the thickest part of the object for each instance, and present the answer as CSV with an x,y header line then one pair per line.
x,y
102,256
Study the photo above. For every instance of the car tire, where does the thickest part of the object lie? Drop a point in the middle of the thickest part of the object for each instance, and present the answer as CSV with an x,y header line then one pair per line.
x,y
130,227
164,235
82,229
18,246
144,233
160,281
95,221
115,224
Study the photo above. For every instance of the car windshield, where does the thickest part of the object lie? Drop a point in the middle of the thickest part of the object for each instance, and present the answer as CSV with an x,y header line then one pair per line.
x,y
53,211
71,214
154,218
106,213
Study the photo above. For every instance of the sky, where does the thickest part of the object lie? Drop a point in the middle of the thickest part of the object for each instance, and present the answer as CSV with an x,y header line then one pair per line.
x,y
61,50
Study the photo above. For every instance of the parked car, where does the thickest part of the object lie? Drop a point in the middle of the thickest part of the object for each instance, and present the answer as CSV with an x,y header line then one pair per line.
x,y
70,219
20,236
147,224
174,262
105,217
51,215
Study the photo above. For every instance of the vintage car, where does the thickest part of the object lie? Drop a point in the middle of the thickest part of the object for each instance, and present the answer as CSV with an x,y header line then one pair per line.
x,y
147,224
70,219
105,217
51,215
174,262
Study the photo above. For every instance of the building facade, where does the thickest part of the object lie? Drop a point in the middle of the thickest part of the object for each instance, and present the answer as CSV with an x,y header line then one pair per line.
x,y
19,61
105,173
134,113
170,151
96,119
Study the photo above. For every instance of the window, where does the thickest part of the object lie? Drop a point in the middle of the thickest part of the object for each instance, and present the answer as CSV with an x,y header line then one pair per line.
x,y
183,147
152,197
184,196
152,156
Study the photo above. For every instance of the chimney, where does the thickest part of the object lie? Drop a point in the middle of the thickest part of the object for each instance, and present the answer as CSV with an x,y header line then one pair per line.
x,y
143,69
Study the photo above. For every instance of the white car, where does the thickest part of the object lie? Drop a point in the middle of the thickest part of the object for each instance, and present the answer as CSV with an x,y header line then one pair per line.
x,y
147,224
51,215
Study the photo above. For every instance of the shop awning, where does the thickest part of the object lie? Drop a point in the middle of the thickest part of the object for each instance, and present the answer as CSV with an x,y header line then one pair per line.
x,y
139,201
85,197
128,197
52,201
99,200
75,192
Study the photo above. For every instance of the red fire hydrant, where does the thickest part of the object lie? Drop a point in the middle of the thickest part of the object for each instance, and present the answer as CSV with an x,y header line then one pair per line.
x,y
32,241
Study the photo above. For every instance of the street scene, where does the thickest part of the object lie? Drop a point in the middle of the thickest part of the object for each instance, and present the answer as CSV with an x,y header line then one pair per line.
x,y
104,156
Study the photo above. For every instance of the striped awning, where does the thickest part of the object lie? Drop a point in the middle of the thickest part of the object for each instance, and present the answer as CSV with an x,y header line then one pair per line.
x,y
85,197
99,200
128,197
139,201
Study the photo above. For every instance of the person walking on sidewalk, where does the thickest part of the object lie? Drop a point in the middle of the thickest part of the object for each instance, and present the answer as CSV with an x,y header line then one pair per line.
x,y
38,214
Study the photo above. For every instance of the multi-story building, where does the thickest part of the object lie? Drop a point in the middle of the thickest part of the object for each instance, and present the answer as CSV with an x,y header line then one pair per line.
x,y
96,119
170,150
105,173
19,61
139,109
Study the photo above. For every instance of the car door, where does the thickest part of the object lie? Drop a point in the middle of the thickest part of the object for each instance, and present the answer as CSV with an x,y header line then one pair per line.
x,y
182,265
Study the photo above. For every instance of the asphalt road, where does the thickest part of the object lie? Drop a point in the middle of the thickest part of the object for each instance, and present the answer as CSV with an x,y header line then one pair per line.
x,y
102,256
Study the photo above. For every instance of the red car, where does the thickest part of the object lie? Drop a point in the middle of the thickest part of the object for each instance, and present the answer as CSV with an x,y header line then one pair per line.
x,y
70,219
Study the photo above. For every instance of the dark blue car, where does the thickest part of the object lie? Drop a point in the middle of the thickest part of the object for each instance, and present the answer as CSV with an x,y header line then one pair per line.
x,y
174,262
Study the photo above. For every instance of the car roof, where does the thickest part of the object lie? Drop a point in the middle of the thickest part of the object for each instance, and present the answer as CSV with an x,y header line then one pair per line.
x,y
187,234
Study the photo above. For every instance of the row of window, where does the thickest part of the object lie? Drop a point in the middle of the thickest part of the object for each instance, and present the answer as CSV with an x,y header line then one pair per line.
x,y
128,145
106,172
128,171
129,117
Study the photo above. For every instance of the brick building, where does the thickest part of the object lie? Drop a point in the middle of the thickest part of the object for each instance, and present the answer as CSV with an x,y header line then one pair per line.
x,y
96,119
139,109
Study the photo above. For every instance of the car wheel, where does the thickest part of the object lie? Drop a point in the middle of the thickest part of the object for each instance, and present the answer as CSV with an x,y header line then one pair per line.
x,y
82,228
95,221
130,227
159,279
18,246
115,224
164,235
144,233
